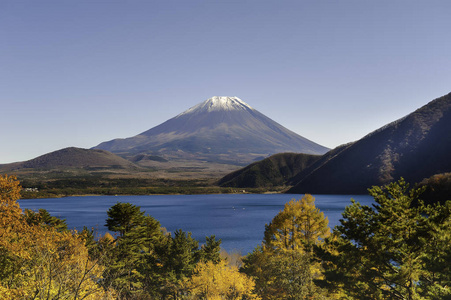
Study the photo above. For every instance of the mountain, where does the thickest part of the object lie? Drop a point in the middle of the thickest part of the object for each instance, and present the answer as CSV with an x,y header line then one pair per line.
x,y
224,130
414,147
72,158
276,170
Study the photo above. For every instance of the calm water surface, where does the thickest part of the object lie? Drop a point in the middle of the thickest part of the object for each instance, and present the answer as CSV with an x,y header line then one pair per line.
x,y
239,220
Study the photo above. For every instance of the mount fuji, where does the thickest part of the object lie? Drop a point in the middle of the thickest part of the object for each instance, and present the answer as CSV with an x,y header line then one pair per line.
x,y
223,130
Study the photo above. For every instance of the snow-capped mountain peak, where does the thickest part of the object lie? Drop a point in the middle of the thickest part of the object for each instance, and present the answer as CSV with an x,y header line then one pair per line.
x,y
220,129
219,103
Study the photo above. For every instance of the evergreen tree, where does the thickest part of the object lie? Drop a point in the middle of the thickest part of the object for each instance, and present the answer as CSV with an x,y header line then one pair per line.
x,y
128,271
123,216
43,217
435,282
389,251
211,250
174,262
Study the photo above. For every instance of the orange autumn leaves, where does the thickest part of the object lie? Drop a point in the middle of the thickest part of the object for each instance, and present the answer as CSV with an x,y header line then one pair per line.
x,y
40,262
39,259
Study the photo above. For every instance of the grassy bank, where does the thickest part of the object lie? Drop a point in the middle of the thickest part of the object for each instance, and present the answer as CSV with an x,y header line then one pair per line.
x,y
129,186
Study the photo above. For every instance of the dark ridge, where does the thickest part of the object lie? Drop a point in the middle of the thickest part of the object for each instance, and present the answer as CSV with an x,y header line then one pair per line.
x,y
438,188
275,170
414,147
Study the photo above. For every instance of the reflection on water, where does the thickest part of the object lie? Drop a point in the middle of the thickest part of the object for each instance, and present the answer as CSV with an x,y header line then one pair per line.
x,y
239,220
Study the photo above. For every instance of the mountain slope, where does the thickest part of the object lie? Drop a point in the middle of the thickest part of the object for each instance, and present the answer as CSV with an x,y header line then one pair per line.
x,y
414,147
220,129
73,158
276,170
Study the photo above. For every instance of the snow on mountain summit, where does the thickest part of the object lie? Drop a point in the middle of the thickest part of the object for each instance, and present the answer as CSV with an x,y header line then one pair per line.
x,y
220,129
219,103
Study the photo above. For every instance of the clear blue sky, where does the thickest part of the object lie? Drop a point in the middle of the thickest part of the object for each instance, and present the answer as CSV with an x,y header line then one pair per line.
x,y
77,73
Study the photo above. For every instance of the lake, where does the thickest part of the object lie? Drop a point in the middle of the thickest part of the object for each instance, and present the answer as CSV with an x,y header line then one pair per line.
x,y
237,219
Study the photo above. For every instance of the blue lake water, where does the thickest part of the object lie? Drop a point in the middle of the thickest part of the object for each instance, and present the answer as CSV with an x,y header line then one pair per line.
x,y
238,220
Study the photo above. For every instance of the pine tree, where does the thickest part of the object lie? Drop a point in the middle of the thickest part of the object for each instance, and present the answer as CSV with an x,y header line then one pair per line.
x,y
123,216
43,218
128,271
210,251
392,250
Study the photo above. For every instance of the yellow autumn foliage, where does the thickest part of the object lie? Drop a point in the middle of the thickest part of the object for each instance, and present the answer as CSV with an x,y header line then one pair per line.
x,y
284,267
298,226
39,262
219,281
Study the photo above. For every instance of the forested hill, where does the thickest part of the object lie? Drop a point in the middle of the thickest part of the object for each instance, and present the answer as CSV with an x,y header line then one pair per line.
x,y
414,147
275,170
438,188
